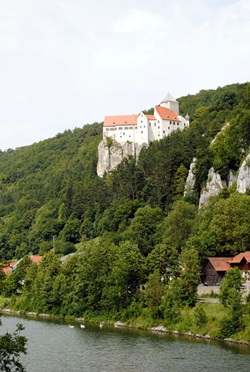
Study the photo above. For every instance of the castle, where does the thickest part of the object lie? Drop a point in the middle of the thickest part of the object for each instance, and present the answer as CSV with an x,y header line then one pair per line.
x,y
130,133
142,128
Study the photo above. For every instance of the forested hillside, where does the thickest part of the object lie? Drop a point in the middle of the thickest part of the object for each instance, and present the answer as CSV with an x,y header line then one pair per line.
x,y
132,227
50,191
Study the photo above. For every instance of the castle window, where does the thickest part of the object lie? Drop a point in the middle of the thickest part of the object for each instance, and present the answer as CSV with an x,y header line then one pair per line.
x,y
177,123
136,127
120,128
107,129
170,122
168,127
144,126
159,127
141,121
131,128
155,124
125,128
142,131
150,124
164,131
158,121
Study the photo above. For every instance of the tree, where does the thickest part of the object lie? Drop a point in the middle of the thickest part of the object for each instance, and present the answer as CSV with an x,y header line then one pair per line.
x,y
144,227
11,347
154,293
230,297
125,278
177,226
231,285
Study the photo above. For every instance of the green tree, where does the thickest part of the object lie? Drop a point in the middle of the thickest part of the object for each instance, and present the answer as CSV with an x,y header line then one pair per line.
x,y
11,347
125,277
154,292
231,298
231,285
144,226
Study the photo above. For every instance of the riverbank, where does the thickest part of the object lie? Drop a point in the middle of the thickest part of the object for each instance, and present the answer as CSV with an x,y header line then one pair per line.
x,y
180,329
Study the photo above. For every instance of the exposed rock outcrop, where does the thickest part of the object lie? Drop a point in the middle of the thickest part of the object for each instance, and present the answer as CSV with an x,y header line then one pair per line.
x,y
112,154
243,180
213,187
215,184
190,181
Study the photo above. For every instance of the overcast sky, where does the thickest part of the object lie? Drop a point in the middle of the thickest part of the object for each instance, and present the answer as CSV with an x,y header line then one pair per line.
x,y
64,63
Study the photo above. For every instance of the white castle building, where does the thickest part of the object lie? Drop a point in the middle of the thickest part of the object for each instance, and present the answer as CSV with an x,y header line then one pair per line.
x,y
143,129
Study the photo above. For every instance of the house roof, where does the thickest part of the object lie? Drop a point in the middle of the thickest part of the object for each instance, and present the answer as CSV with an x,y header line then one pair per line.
x,y
151,117
240,256
8,267
35,259
166,114
112,121
220,263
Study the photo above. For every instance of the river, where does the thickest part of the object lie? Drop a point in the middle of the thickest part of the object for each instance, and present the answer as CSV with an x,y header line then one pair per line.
x,y
55,347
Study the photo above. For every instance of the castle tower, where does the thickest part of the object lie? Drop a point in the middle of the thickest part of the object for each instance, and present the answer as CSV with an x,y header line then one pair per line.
x,y
170,103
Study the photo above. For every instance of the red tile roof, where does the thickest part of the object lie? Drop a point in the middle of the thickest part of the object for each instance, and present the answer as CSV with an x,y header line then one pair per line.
x,y
166,114
220,263
151,117
112,121
8,267
36,259
240,256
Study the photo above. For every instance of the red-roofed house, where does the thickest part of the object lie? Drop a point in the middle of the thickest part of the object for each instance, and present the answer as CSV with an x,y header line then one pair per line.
x,y
242,261
8,267
35,259
215,269
143,129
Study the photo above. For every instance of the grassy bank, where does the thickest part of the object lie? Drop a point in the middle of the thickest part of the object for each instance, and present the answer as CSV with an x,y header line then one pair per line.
x,y
200,321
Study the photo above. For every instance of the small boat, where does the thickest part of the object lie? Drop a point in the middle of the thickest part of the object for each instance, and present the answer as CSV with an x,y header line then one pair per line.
x,y
71,326
82,325
101,325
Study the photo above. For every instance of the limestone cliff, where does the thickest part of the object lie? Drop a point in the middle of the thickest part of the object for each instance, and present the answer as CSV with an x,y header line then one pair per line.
x,y
213,187
215,184
190,181
111,154
243,180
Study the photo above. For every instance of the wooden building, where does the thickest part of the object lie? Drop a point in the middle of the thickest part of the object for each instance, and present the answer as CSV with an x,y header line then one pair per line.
x,y
242,261
215,269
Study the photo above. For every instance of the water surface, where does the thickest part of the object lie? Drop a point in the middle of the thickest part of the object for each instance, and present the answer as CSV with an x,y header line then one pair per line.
x,y
54,346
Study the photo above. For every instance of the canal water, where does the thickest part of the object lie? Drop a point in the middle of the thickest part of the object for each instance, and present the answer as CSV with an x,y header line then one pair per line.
x,y
55,347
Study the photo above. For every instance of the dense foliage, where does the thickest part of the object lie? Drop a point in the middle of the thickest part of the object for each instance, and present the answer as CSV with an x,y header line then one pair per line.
x,y
11,347
139,243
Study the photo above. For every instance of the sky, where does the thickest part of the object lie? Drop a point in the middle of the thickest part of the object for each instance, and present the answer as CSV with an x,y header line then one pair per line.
x,y
66,63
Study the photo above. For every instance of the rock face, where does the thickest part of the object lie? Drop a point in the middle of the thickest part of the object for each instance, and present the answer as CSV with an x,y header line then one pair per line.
x,y
213,187
110,156
190,181
215,184
243,180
